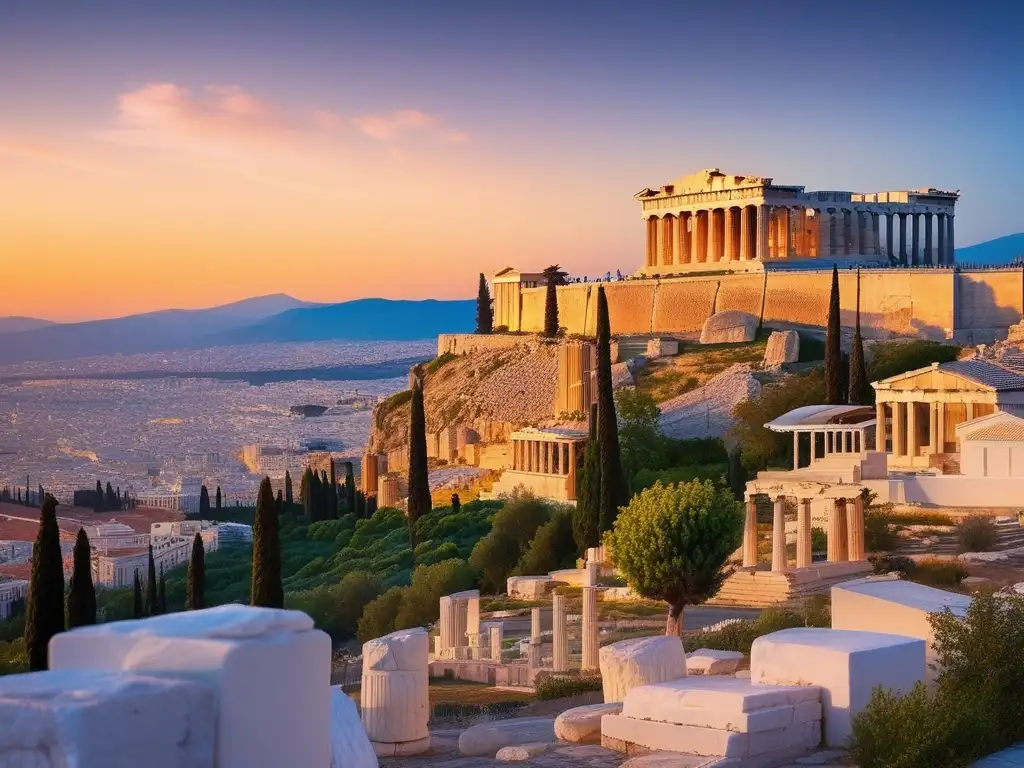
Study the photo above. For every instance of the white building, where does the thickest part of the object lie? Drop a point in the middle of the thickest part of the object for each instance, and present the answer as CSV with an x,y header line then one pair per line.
x,y
117,568
15,551
113,535
233,533
10,592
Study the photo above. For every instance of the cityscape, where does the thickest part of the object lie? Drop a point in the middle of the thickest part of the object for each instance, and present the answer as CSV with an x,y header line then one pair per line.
x,y
571,385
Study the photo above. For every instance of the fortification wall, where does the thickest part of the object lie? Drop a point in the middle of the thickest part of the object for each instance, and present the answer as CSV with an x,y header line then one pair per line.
x,y
463,343
924,303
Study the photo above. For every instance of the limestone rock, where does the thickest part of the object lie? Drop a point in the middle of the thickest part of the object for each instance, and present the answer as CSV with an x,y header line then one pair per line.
x,y
705,661
622,376
521,752
729,327
350,747
630,663
77,717
783,347
583,724
976,583
488,738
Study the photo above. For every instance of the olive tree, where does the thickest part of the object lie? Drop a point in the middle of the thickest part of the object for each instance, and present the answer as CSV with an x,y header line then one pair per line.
x,y
671,543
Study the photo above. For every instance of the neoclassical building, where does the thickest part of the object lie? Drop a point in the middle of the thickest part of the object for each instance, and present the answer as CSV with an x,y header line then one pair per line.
x,y
712,221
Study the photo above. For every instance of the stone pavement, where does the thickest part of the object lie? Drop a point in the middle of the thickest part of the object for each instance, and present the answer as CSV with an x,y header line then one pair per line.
x,y
444,753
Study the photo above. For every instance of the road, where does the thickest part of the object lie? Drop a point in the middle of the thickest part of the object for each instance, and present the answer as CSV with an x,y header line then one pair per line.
x,y
696,617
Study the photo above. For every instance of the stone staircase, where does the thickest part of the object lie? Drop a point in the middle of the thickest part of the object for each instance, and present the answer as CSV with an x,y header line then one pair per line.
x,y
1009,535
764,588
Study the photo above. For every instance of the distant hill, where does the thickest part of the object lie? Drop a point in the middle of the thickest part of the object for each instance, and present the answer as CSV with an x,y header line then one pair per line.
x,y
360,320
19,324
149,332
1002,250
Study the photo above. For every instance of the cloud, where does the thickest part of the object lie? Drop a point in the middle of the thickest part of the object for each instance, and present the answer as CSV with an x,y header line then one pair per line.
x,y
392,125
44,153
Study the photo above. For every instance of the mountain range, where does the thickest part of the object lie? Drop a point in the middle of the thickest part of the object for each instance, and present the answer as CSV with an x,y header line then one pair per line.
x,y
1002,250
262,319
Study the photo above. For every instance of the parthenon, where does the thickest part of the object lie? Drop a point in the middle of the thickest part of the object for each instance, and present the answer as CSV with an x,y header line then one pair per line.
x,y
711,221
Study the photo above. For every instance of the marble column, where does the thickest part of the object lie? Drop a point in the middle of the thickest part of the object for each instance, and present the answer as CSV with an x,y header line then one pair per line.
x,y
497,636
782,240
950,245
449,613
473,625
745,254
394,703
728,249
856,227
915,238
667,237
843,547
716,227
940,426
880,432
590,629
652,241
940,221
803,533
779,535
929,255
855,529
698,236
876,235
683,239
750,535
535,638
559,633
903,238
899,435
833,531
763,213
913,447
824,234
889,250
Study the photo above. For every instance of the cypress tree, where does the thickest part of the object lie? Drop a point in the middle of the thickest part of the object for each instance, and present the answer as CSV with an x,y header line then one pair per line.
x,y
97,504
370,506
306,494
151,586
551,275
218,498
860,390
289,497
196,586
82,593
350,487
279,503
267,590
204,503
833,349
44,612
332,507
613,492
111,499
419,479
325,496
456,504
484,310
586,517
137,611
161,599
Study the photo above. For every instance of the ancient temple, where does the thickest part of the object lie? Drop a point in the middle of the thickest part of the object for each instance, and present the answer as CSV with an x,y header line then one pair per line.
x,y
712,221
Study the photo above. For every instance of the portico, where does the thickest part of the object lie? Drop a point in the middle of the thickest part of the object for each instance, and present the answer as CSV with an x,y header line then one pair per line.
x,y
711,221
544,462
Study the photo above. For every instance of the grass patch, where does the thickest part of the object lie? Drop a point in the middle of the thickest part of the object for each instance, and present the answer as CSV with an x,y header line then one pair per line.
x,y
694,366
439,361
920,518
491,604
550,687
741,635
935,572
632,610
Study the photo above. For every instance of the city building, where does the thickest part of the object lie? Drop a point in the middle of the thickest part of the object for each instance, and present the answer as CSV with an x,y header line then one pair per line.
x,y
117,567
15,551
114,535
710,220
233,533
11,591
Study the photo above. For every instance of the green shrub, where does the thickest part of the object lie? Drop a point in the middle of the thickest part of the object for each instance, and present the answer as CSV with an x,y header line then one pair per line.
x,y
920,518
819,540
883,564
552,548
742,634
439,361
707,450
378,617
646,478
336,609
976,533
818,612
892,358
494,558
430,583
520,518
879,534
549,687
936,572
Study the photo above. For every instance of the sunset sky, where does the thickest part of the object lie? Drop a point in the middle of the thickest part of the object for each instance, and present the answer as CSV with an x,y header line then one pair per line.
x,y
166,154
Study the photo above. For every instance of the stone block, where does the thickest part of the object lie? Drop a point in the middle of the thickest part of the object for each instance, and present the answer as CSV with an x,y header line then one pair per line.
x,y
403,650
705,661
350,746
78,717
894,606
847,665
729,327
528,587
783,347
662,347
488,738
270,670
629,663
394,698
582,725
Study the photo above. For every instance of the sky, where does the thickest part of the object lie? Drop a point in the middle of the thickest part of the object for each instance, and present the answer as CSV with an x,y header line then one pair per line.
x,y
188,154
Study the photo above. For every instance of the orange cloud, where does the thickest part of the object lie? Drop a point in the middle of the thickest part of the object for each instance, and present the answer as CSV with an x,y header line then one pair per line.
x,y
390,126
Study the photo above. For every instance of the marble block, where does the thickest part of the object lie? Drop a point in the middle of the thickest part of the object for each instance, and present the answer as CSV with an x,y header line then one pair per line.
x,y
705,661
630,663
269,667
394,696
486,739
350,746
72,717
581,725
847,665
729,326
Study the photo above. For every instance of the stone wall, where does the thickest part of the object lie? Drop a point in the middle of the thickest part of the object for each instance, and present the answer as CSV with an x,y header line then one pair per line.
x,y
970,306
464,343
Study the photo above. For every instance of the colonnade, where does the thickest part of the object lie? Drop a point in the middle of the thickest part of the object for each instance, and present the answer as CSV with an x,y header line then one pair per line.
x,y
546,457
845,532
909,428
777,232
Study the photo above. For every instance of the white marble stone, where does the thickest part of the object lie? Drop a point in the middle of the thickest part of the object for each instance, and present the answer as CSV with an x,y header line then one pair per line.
x,y
705,661
630,663
528,587
783,347
488,738
581,725
729,326
394,697
521,752
848,665
350,746
71,717
270,669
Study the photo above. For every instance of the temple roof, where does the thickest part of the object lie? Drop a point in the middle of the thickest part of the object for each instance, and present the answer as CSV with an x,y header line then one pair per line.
x,y
999,427
823,417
